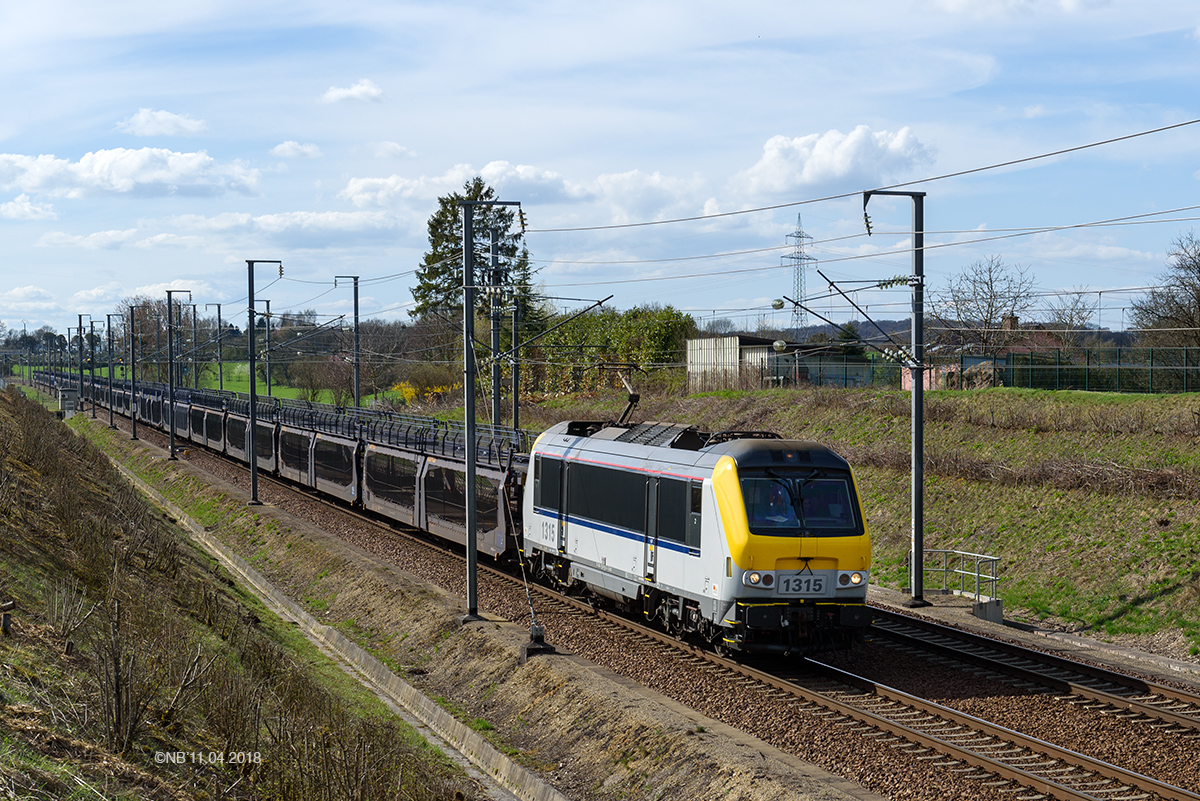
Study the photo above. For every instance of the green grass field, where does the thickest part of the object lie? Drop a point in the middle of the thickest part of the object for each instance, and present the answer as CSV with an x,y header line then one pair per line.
x,y
235,378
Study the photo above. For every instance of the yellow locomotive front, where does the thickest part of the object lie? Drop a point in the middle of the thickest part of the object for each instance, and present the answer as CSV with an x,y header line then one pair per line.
x,y
799,554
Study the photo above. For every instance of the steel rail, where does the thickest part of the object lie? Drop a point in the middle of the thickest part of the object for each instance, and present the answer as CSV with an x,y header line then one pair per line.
x,y
1069,677
1061,759
965,727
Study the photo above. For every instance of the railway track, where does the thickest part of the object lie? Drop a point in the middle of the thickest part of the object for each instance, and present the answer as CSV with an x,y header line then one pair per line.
x,y
1096,689
963,749
974,749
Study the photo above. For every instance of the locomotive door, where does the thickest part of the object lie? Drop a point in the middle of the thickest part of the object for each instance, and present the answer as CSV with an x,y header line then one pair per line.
x,y
563,476
549,483
650,559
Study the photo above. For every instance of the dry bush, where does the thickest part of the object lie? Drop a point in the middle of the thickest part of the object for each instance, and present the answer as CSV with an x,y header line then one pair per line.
x,y
66,607
232,705
126,688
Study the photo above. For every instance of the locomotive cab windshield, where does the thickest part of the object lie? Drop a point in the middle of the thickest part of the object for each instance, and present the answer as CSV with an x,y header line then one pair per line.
x,y
803,502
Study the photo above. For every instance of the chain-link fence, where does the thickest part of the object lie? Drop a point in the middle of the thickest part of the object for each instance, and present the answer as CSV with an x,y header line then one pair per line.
x,y
1146,370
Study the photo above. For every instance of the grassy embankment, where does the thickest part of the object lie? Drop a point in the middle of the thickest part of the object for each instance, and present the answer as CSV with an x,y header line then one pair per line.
x,y
1089,499
128,642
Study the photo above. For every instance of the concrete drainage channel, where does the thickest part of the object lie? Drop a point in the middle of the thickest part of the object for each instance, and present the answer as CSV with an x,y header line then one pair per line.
x,y
493,766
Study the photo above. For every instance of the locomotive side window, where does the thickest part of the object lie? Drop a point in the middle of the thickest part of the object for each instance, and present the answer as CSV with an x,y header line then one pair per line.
x,y
672,511
614,497
547,487
807,503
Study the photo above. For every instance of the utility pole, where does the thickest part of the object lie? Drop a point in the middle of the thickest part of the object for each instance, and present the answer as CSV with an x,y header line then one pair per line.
x,y
472,533
133,402
79,331
494,291
109,318
917,370
516,364
357,354
171,367
195,352
92,363
220,331
267,347
252,445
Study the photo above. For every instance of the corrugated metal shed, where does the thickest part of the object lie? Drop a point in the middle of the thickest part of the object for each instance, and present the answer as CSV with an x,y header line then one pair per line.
x,y
717,362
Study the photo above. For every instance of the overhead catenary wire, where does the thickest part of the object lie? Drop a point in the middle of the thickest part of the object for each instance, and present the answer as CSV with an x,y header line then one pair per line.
x,y
858,193
867,256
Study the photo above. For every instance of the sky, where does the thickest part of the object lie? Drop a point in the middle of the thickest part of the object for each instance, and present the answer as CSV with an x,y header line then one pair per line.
x,y
149,146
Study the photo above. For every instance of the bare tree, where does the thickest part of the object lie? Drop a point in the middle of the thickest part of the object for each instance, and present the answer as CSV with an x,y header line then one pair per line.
x,y
1169,316
981,306
719,326
1071,315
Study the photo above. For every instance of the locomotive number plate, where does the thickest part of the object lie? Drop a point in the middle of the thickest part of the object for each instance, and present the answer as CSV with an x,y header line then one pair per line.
x,y
801,584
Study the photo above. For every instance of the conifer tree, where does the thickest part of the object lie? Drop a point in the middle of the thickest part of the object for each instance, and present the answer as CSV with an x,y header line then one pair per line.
x,y
439,278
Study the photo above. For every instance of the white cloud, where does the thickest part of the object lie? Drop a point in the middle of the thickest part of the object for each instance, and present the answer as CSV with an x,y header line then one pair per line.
x,y
146,171
101,240
295,150
196,288
323,221
29,301
1033,112
168,240
636,195
363,192
26,295
309,229
161,123
22,208
531,184
107,293
858,159
1058,247
521,181
389,150
365,91
1006,8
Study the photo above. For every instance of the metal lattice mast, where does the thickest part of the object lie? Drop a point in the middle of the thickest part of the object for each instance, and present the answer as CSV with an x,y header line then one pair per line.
x,y
798,260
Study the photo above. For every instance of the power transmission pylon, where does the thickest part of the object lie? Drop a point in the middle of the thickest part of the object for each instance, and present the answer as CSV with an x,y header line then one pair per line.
x,y
798,260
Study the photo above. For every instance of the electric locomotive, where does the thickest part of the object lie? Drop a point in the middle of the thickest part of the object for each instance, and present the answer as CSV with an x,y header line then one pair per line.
x,y
755,543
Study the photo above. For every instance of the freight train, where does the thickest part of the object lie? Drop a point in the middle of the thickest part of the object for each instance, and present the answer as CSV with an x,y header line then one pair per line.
x,y
741,539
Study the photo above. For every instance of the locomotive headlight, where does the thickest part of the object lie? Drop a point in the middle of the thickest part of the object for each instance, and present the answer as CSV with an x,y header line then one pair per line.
x,y
757,578
854,579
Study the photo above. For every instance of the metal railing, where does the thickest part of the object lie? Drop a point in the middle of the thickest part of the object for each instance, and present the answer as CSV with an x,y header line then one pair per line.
x,y
964,573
